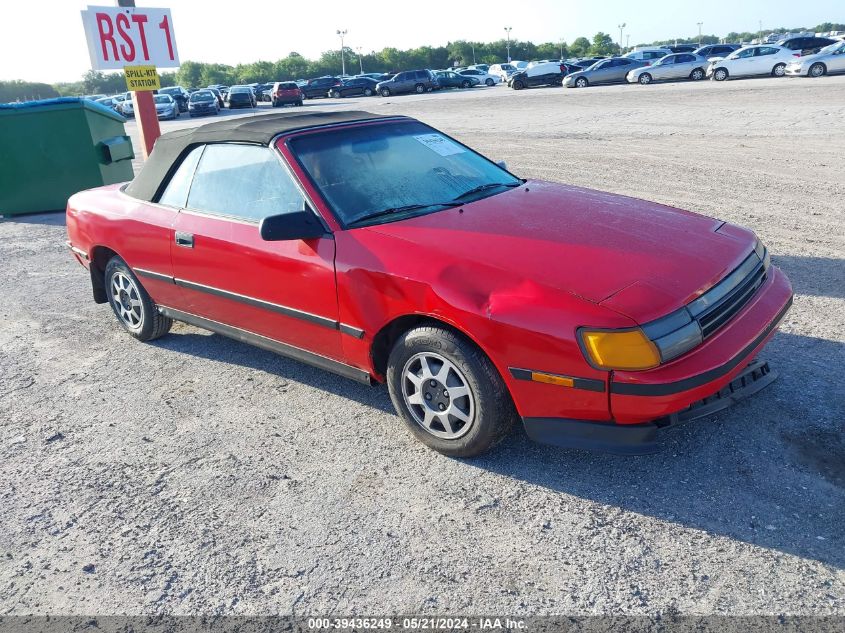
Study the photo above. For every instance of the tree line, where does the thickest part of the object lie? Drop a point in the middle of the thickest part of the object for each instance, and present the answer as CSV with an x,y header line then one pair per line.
x,y
193,74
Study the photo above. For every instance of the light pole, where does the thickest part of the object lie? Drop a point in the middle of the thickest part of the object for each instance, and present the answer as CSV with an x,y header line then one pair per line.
x,y
360,58
561,48
760,34
627,41
342,34
699,33
621,28
508,31
473,53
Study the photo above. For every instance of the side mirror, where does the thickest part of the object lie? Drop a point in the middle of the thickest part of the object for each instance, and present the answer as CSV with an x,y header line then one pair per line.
x,y
300,225
502,164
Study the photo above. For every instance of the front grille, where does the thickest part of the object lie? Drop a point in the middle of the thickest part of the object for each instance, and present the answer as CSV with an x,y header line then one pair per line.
x,y
719,304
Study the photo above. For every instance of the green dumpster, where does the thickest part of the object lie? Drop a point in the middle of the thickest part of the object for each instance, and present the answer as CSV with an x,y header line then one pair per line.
x,y
51,149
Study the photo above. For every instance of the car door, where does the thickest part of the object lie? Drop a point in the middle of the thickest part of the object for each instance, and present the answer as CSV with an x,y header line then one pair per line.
x,y
619,69
744,64
684,65
765,60
282,290
836,61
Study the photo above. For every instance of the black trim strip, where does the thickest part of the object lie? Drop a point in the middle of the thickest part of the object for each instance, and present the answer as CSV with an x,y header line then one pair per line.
x,y
272,345
257,303
587,384
668,388
154,275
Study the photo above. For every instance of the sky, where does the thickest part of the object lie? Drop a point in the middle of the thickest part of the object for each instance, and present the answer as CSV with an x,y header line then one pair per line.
x,y
44,40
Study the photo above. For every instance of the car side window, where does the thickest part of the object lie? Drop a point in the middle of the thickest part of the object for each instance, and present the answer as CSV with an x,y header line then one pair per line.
x,y
176,192
749,52
243,181
766,51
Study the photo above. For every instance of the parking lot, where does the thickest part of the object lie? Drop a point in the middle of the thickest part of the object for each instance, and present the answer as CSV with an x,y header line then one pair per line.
x,y
198,475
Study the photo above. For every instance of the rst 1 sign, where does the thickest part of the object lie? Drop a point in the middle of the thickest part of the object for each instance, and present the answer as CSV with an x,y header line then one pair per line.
x,y
130,36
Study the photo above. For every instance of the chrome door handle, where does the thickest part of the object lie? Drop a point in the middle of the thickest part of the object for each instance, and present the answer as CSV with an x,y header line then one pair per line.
x,y
184,239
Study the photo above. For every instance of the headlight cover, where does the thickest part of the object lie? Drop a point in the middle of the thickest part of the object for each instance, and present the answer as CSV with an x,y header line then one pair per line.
x,y
619,349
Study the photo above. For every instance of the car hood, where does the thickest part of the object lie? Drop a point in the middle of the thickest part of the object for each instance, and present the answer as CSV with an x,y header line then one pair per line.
x,y
639,258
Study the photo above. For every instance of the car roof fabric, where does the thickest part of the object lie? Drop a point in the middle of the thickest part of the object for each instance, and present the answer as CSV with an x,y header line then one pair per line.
x,y
259,129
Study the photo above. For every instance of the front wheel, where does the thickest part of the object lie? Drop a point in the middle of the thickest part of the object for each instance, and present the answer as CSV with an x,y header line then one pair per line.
x,y
720,74
645,79
697,74
517,85
448,392
817,70
385,92
132,305
419,89
489,82
368,92
779,70
581,82
465,84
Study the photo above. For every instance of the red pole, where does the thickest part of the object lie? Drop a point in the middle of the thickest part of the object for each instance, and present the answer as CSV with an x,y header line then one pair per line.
x,y
147,119
145,109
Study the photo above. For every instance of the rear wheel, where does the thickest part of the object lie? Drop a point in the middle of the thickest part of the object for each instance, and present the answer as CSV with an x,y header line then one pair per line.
x,y
581,82
645,79
489,82
697,74
720,74
448,392
817,70
419,89
465,84
335,94
368,92
779,70
132,305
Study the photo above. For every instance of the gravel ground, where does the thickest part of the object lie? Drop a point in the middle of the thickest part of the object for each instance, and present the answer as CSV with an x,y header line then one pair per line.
x,y
199,475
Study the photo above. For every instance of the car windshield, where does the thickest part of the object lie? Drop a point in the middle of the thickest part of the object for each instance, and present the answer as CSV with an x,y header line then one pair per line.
x,y
377,173
202,96
163,99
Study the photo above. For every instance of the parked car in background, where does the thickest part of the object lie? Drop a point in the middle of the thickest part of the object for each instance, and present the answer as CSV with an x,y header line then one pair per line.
x,y
828,61
262,91
319,87
503,70
675,66
764,59
546,74
418,81
479,298
606,71
484,77
355,86
220,101
806,45
376,76
109,102
583,63
286,93
166,107
127,108
179,94
241,97
449,79
682,48
483,67
716,50
648,55
203,102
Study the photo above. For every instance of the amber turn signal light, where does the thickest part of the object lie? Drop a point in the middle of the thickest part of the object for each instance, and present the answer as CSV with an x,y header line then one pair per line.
x,y
620,349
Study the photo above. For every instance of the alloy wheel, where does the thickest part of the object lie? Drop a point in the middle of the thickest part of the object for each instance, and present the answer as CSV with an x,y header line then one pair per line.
x,y
438,396
779,70
816,70
581,83
645,79
127,301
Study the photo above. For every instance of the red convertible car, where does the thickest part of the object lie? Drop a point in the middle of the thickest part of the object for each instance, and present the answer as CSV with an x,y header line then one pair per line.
x,y
381,249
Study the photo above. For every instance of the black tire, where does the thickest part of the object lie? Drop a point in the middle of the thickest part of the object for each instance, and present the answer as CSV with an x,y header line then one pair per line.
x,y
151,324
817,70
721,74
489,82
492,408
419,89
385,92
465,84
697,74
645,79
517,85
368,92
334,94
779,70
582,82
274,104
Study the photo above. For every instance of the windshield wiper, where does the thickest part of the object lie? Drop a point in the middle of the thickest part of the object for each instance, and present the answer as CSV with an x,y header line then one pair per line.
x,y
402,209
489,185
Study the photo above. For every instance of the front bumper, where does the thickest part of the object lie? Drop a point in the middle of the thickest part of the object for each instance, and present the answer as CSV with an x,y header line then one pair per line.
x,y
645,439
794,71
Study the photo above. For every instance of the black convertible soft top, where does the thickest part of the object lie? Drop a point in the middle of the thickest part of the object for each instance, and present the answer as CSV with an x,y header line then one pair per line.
x,y
260,129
